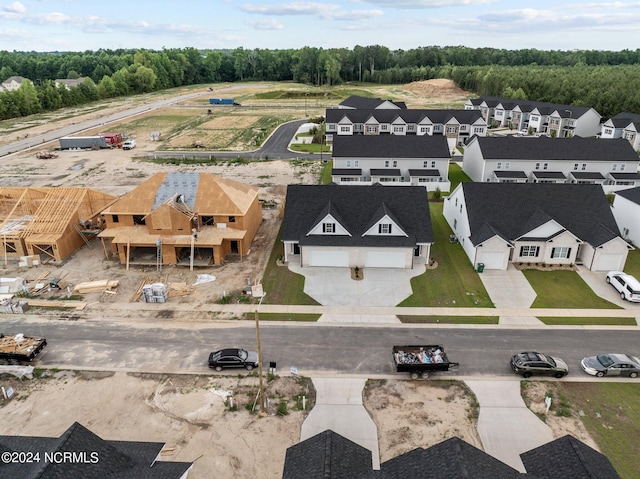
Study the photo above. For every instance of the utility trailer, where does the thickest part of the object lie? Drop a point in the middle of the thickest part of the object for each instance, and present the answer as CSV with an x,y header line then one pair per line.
x,y
18,348
83,143
420,360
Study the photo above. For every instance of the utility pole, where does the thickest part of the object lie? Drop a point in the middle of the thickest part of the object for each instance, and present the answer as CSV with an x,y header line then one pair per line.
x,y
261,398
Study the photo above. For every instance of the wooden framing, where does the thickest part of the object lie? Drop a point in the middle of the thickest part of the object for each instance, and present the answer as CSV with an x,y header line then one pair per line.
x,y
168,209
45,221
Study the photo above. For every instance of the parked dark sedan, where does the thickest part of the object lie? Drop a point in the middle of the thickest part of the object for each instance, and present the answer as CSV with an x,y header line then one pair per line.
x,y
233,358
529,363
612,365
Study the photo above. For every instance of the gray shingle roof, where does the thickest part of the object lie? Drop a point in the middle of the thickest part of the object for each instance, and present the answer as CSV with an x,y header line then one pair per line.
x,y
357,207
527,105
453,458
467,117
122,459
327,455
517,174
631,194
562,149
360,102
509,207
390,146
554,175
567,457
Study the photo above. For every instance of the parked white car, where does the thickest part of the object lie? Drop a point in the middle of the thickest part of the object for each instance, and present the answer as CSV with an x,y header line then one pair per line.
x,y
625,284
129,144
524,132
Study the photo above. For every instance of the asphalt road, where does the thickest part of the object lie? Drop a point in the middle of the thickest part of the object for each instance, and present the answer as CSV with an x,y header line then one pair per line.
x,y
176,347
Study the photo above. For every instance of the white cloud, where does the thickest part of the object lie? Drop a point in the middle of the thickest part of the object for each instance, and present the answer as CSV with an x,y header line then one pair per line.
x,y
15,7
292,8
419,4
269,24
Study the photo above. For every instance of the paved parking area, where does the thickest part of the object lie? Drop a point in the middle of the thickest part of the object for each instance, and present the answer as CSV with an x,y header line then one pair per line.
x,y
596,281
379,286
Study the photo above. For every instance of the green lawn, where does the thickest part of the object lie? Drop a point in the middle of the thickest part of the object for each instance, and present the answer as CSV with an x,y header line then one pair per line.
x,y
632,266
406,318
588,321
283,286
300,317
612,417
454,282
456,175
563,289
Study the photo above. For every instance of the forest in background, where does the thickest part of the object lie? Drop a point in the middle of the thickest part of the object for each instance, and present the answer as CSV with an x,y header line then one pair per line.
x,y
608,81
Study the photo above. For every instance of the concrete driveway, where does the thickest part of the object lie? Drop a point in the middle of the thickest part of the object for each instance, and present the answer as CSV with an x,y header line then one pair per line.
x,y
379,286
507,428
508,289
596,281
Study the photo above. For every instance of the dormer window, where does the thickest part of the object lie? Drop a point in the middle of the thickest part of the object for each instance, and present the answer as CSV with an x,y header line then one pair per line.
x,y
328,227
384,229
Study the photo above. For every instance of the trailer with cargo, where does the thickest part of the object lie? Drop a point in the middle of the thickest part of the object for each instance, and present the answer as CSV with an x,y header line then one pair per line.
x,y
223,101
420,360
83,142
18,348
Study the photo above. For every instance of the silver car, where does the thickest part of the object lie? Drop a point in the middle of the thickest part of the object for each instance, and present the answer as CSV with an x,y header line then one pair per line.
x,y
612,365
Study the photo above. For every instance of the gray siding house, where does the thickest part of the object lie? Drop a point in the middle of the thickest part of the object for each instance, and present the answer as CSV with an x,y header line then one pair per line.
x,y
392,160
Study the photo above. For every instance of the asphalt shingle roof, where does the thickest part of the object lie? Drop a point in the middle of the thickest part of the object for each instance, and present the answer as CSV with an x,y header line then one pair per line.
x,y
360,102
453,458
508,208
327,455
357,207
390,146
567,457
527,105
631,194
122,459
467,117
561,149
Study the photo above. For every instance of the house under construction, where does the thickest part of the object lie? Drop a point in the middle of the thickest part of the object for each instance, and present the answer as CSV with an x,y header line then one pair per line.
x,y
184,219
49,222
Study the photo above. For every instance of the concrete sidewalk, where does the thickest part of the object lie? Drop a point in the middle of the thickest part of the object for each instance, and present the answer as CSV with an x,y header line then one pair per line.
x,y
507,428
339,408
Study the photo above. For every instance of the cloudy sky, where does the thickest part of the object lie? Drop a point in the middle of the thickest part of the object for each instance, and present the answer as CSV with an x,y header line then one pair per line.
x,y
78,25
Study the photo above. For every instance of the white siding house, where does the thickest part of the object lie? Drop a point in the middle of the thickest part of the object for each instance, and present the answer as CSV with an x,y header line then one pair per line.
x,y
555,224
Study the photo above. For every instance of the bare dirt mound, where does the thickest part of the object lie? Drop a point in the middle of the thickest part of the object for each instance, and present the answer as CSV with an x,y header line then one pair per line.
x,y
435,87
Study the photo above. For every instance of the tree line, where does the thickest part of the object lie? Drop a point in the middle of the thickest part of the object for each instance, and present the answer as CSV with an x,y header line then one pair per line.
x,y
605,80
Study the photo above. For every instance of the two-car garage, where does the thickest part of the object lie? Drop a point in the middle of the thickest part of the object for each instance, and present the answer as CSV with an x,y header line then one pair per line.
x,y
367,258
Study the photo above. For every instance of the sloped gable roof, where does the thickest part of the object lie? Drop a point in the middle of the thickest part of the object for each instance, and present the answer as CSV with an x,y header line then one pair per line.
x,y
631,194
580,208
543,107
364,103
357,206
383,212
327,455
567,457
556,149
453,458
333,212
122,459
390,146
409,116
204,193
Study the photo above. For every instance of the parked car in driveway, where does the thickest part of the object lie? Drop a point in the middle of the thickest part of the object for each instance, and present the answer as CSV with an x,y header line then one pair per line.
x,y
625,284
233,358
612,365
529,363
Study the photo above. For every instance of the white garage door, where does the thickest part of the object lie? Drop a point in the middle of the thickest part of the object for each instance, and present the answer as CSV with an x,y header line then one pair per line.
x,y
609,262
491,260
329,258
385,259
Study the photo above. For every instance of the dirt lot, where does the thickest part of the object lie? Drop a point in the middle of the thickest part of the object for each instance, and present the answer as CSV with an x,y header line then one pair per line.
x,y
183,411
